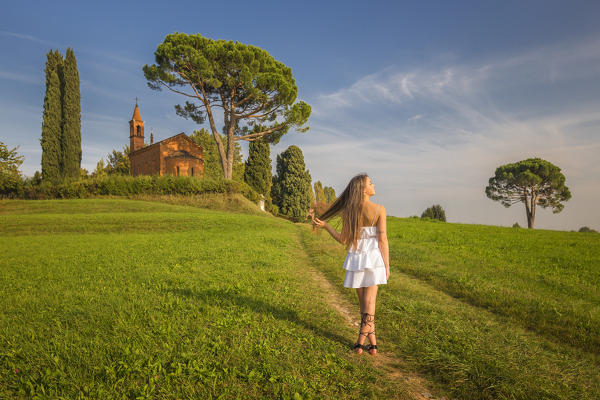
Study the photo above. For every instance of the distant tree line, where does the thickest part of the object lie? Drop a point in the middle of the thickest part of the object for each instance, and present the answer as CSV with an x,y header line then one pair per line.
x,y
61,124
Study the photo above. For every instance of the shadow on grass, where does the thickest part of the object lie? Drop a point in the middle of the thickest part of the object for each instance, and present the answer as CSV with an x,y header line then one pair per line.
x,y
221,297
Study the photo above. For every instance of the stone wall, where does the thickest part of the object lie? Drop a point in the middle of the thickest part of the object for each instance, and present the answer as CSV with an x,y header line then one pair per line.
x,y
146,161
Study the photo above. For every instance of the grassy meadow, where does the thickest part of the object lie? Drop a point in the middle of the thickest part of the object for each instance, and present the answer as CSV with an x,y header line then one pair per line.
x,y
489,312
121,298
132,299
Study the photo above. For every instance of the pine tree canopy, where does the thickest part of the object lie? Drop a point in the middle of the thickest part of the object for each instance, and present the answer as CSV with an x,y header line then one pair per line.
x,y
246,82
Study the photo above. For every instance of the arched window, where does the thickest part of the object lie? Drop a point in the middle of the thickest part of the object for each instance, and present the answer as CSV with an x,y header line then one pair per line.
x,y
178,170
139,130
192,171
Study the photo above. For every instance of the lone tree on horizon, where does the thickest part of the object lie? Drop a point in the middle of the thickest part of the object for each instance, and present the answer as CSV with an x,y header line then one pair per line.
x,y
246,82
534,182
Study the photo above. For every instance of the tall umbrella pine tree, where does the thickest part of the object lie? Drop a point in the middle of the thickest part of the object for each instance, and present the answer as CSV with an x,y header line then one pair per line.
x,y
52,120
246,82
71,117
534,182
292,184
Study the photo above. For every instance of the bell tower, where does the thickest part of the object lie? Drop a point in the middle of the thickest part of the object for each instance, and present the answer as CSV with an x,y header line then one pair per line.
x,y
136,130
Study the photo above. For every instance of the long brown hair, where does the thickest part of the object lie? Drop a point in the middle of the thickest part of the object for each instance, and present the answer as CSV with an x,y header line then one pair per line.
x,y
349,204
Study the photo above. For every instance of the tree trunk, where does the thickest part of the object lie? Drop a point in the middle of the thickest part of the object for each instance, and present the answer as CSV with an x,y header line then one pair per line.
x,y
530,218
213,128
528,211
533,203
229,132
530,207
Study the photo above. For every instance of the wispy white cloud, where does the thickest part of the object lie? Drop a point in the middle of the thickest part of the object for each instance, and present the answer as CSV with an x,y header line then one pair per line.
x,y
118,58
480,115
27,37
21,77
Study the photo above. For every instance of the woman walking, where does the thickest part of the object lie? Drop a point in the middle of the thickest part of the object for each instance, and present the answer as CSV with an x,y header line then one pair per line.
x,y
367,262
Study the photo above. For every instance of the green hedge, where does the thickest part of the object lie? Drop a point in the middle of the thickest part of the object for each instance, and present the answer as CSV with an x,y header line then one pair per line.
x,y
124,185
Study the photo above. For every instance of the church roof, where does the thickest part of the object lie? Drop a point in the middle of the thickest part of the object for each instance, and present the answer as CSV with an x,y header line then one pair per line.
x,y
182,154
181,135
136,114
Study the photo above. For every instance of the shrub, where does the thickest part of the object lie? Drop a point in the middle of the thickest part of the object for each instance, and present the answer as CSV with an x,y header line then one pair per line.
x,y
435,212
516,225
124,185
587,229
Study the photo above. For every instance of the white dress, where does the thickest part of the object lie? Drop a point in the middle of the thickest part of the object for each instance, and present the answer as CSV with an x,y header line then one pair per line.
x,y
364,265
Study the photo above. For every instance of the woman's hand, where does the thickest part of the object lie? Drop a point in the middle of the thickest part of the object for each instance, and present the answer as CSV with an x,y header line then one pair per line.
x,y
318,223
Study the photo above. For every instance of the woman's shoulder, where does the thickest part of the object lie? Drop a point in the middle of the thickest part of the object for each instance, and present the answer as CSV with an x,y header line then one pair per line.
x,y
374,206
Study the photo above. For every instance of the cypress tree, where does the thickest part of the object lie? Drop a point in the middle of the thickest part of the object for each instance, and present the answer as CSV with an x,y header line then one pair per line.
x,y
311,195
258,167
329,194
51,124
71,117
320,193
291,185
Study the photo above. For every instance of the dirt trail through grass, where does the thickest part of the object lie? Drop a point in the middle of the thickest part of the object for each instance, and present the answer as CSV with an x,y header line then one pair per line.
x,y
417,386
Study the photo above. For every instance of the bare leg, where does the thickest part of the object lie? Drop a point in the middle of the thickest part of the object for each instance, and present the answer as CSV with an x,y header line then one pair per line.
x,y
370,298
361,332
361,298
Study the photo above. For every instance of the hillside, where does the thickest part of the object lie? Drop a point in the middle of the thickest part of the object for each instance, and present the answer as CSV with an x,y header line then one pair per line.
x,y
106,298
489,312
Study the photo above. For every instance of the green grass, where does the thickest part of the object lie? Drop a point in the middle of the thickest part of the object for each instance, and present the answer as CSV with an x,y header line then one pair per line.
x,y
546,281
130,299
113,298
467,306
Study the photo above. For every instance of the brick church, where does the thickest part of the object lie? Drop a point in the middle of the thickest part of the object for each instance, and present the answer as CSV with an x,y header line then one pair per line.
x,y
176,155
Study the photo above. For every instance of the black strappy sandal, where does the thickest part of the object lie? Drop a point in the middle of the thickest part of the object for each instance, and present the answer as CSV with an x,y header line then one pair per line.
x,y
372,347
358,345
369,322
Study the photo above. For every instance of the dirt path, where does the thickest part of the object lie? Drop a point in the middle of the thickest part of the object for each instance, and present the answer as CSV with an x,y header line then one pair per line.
x,y
416,385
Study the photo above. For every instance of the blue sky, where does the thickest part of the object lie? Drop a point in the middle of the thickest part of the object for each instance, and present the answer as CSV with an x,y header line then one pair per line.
x,y
427,97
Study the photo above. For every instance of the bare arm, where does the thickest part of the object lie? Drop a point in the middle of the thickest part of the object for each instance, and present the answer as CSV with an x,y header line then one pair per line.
x,y
383,241
334,234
